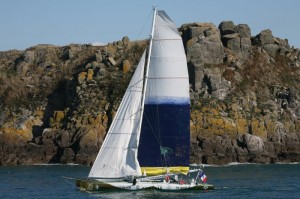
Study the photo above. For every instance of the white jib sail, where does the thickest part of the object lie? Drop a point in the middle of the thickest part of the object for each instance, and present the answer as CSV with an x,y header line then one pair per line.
x,y
118,155
168,75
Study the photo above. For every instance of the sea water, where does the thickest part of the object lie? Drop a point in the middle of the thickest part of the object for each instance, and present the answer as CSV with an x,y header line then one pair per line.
x,y
231,181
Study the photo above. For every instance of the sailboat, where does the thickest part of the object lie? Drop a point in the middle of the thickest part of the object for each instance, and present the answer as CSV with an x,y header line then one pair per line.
x,y
147,145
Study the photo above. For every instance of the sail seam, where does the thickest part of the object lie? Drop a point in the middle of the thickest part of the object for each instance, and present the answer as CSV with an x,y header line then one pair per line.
x,y
168,77
127,119
111,147
166,57
132,90
167,39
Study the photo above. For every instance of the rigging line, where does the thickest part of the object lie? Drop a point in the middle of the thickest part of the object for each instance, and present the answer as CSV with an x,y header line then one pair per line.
x,y
138,111
158,124
168,161
165,159
162,161
140,33
66,179
133,85
156,97
152,130
129,117
157,109
171,162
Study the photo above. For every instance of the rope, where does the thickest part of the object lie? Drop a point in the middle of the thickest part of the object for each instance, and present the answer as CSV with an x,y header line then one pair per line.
x,y
140,33
67,179
152,130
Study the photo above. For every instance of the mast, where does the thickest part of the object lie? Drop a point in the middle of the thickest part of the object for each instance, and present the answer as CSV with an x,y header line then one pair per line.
x,y
147,72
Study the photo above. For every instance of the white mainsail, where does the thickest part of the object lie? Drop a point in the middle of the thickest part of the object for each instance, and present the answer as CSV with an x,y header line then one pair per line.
x,y
168,76
118,155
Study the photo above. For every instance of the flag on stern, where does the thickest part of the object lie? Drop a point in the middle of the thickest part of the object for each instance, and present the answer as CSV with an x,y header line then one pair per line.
x,y
203,176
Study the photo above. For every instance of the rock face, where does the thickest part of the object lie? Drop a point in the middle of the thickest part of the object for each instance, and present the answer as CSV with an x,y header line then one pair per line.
x,y
244,107
236,38
57,103
204,47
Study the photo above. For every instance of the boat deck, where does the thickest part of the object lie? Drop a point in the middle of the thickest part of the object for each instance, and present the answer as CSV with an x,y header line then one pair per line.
x,y
94,185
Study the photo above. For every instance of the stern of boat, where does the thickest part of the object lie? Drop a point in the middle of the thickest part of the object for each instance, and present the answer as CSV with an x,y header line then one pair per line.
x,y
204,187
93,185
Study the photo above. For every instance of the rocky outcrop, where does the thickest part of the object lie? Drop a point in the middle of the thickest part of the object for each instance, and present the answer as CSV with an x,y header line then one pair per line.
x,y
236,38
204,47
255,119
57,103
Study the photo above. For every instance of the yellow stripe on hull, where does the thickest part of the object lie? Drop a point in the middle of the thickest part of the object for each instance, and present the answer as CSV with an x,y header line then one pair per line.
x,y
152,171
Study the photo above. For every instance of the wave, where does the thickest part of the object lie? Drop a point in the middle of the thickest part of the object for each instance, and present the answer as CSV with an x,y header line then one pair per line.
x,y
241,164
224,165
287,163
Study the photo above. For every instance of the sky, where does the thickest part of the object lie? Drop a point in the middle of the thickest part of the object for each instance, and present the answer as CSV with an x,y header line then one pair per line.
x,y
26,23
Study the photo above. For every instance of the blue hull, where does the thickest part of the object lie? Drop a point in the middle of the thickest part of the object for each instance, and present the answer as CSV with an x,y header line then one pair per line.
x,y
165,130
